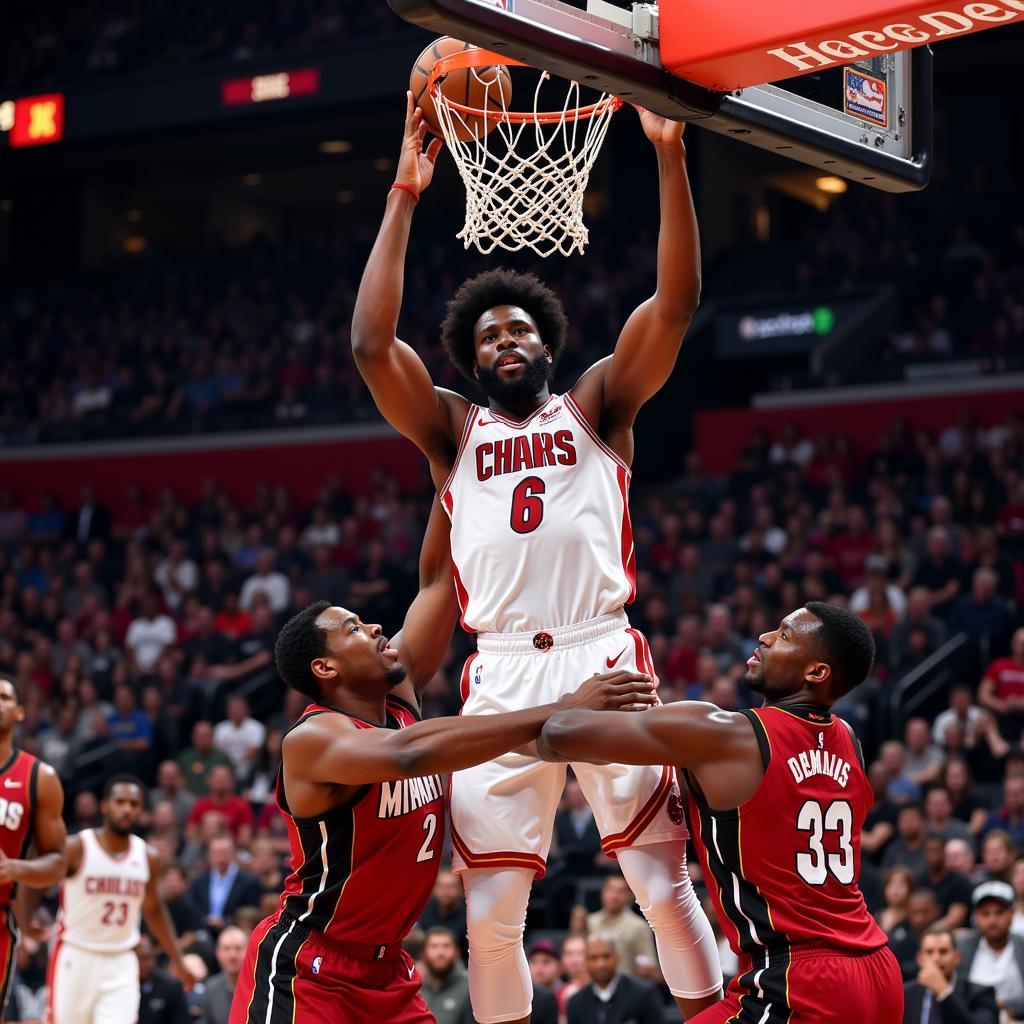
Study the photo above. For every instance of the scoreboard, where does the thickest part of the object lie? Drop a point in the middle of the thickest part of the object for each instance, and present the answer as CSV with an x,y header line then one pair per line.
x,y
33,120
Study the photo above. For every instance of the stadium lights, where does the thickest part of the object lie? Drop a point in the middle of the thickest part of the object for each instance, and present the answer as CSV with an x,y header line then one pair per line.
x,y
334,146
830,184
382,163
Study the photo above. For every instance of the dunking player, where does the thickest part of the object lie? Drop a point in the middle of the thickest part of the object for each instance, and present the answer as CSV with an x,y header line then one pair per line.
x,y
536,485
361,790
778,797
31,803
111,886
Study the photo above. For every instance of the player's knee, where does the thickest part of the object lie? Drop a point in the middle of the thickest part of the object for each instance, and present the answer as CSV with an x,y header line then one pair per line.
x,y
496,911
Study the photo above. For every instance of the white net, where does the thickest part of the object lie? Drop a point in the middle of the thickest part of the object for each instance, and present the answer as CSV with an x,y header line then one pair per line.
x,y
526,179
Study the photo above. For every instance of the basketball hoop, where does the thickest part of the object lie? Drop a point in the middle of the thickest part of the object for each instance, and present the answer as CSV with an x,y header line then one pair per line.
x,y
526,176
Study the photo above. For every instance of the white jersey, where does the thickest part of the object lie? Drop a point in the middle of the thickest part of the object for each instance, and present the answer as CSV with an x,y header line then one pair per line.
x,y
540,535
101,903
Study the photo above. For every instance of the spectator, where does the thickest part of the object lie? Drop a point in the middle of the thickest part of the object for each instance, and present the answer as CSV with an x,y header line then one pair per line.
x,y
905,942
997,856
990,954
574,971
222,799
952,890
176,575
908,846
924,760
939,820
149,635
266,768
967,807
445,987
880,823
224,887
1002,688
174,890
612,997
215,1003
634,941
324,580
1010,817
545,960
266,580
447,908
90,521
962,712
197,760
919,616
131,729
960,857
983,615
162,998
240,736
938,993
897,888
939,573
171,787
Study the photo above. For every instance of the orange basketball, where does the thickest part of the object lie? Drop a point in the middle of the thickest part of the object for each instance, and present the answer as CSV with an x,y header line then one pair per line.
x,y
472,87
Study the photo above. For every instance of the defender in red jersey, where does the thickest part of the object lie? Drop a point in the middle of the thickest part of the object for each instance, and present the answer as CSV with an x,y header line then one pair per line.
x,y
361,791
31,803
778,797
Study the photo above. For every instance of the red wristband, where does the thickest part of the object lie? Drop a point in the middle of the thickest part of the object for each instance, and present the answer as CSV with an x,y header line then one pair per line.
x,y
407,188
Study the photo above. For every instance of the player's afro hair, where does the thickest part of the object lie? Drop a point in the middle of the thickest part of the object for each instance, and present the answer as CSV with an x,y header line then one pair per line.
x,y
299,643
124,779
500,288
845,642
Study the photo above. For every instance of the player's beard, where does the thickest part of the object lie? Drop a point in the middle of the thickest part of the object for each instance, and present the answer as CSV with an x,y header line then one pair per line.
x,y
394,676
516,391
122,830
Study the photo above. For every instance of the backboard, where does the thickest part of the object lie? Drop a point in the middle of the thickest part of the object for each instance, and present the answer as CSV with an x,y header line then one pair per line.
x,y
869,121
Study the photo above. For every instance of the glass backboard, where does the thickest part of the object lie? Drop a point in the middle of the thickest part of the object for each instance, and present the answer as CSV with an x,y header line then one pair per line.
x,y
869,122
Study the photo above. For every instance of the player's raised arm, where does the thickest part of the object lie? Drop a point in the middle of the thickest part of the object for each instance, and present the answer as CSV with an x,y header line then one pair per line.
x,y
329,749
49,864
646,351
158,920
395,374
427,630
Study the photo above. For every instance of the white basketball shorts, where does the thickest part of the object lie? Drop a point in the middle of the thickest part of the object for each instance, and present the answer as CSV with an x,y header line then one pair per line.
x,y
92,988
503,812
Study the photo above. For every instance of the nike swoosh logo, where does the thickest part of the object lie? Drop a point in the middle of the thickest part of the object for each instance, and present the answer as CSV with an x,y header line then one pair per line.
x,y
610,662
11,783
485,423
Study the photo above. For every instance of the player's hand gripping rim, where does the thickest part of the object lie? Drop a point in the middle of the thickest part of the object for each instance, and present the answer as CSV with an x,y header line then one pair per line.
x,y
416,165
621,690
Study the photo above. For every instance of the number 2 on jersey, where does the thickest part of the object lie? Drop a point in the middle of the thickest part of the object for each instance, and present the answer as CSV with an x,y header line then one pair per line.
x,y
430,827
814,867
527,505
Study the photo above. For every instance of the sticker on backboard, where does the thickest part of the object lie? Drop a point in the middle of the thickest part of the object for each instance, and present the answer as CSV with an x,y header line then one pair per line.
x,y
864,96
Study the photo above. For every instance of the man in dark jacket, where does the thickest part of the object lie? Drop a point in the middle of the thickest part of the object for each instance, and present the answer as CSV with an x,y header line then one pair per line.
x,y
163,998
221,890
939,996
611,997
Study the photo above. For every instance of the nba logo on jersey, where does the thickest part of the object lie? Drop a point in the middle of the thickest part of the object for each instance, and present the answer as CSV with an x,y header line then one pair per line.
x,y
478,675
317,961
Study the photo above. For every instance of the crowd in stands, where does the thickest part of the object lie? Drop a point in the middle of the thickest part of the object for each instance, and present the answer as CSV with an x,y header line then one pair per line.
x,y
258,336
141,638
56,44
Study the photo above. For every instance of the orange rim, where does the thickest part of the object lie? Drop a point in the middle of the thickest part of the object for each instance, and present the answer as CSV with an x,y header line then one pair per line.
x,y
477,57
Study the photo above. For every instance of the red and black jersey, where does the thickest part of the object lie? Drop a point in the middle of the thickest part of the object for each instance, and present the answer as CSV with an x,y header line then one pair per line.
x,y
18,780
783,867
364,871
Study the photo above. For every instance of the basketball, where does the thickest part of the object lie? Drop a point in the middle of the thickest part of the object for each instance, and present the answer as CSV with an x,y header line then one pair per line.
x,y
472,87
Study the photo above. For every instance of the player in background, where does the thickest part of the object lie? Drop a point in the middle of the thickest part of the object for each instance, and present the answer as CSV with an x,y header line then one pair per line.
x,y
778,797
31,805
111,886
362,794
537,488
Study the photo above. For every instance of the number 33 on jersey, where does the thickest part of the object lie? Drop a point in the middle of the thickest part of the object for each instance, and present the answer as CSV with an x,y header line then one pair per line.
x,y
540,535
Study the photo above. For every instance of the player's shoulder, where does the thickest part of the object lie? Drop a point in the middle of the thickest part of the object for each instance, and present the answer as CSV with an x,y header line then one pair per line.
x,y
317,727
